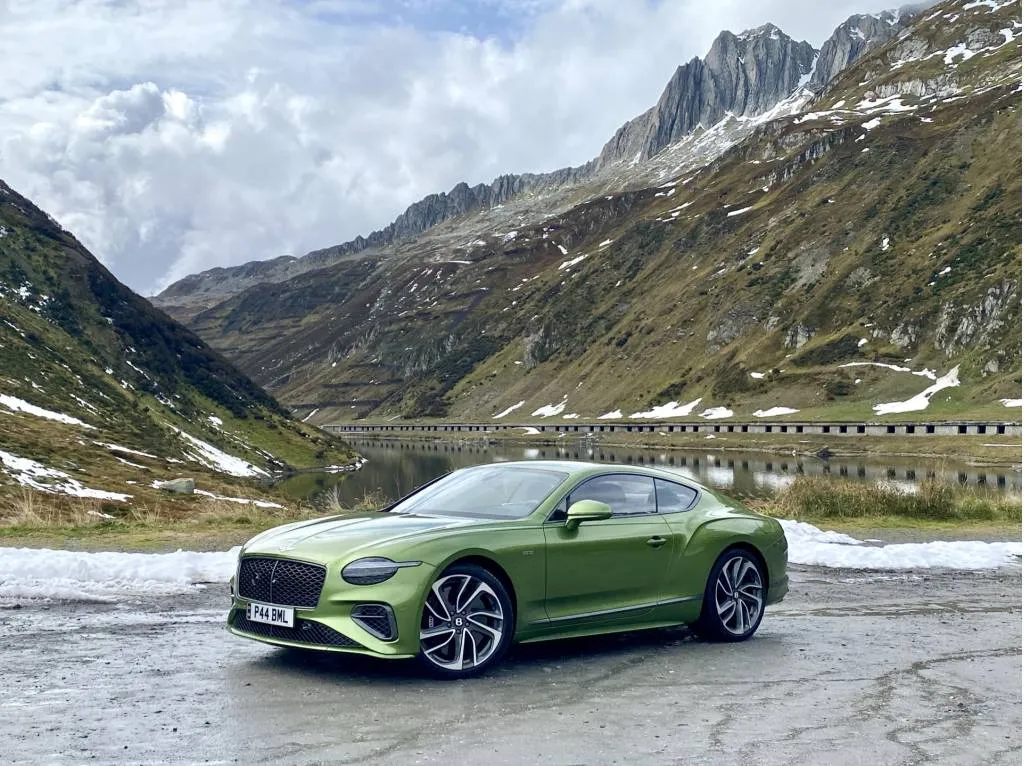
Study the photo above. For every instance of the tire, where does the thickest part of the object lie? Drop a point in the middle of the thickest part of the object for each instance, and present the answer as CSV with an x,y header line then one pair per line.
x,y
730,613
467,623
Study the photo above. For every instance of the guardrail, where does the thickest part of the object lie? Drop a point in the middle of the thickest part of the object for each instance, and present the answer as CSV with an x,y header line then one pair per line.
x,y
986,428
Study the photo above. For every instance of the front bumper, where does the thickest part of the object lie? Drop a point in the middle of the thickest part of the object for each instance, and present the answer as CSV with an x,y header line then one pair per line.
x,y
308,634
334,624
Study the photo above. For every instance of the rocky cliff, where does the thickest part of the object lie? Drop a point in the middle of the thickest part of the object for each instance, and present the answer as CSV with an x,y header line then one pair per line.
x,y
851,40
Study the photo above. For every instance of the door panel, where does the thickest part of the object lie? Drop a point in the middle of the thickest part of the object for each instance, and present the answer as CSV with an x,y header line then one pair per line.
x,y
606,565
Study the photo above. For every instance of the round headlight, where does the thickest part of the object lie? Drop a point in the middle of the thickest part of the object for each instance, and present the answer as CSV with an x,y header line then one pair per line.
x,y
370,571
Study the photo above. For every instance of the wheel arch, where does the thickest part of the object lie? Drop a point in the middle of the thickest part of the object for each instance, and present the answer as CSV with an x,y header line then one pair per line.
x,y
495,569
748,546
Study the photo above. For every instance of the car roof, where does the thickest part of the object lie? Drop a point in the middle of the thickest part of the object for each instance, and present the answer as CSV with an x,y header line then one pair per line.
x,y
583,466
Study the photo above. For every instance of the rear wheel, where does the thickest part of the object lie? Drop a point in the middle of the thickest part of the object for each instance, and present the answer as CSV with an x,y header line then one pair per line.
x,y
734,597
467,622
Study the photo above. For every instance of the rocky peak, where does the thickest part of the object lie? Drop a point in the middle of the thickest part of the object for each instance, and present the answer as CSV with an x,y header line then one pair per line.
x,y
851,40
742,74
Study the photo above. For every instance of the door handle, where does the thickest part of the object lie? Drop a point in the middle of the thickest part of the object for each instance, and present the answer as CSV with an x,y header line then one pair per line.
x,y
656,542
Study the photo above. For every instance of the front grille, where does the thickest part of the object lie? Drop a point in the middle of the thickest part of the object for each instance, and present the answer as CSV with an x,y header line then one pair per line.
x,y
281,581
304,632
377,619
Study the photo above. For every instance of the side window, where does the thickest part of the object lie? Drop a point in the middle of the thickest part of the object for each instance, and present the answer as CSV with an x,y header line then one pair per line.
x,y
627,495
673,497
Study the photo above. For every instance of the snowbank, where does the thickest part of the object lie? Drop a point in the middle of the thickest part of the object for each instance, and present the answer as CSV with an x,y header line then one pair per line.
x,y
108,577
27,573
812,546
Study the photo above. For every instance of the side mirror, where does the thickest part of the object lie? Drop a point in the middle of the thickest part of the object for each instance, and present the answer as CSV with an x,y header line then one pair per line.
x,y
587,510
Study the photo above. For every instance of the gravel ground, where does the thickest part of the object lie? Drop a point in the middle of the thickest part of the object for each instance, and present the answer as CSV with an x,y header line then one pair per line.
x,y
853,668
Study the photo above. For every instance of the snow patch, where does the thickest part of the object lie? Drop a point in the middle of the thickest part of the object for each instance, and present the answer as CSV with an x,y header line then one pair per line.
x,y
550,410
739,212
774,412
239,500
613,415
925,373
572,262
669,410
314,412
15,404
29,473
716,413
921,400
510,410
757,375
218,460
1017,403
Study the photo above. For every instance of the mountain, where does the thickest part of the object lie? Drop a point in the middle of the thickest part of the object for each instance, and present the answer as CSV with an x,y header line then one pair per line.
x,y
98,388
742,76
837,252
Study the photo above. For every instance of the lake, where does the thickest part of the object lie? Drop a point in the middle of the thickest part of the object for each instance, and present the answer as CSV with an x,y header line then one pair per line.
x,y
395,467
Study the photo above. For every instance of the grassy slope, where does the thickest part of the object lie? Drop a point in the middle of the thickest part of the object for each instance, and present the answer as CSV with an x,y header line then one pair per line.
x,y
75,341
684,307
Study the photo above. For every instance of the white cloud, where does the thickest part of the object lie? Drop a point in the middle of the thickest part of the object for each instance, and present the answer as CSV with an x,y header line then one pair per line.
x,y
176,135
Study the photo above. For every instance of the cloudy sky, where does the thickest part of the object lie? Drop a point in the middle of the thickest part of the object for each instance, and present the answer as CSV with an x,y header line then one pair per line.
x,y
172,136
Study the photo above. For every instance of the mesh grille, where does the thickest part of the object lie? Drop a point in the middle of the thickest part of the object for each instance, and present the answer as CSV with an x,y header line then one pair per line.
x,y
377,619
281,581
304,632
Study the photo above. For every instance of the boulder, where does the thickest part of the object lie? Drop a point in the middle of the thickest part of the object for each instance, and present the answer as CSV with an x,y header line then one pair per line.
x,y
178,486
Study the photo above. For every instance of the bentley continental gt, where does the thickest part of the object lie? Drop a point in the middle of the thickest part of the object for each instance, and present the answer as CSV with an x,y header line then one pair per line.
x,y
463,567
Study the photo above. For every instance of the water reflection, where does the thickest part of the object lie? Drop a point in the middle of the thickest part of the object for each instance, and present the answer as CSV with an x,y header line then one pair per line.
x,y
397,467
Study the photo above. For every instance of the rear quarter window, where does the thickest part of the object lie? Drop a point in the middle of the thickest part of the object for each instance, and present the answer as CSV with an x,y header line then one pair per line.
x,y
672,497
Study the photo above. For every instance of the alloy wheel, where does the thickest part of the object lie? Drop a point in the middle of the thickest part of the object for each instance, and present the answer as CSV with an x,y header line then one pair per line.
x,y
463,622
739,595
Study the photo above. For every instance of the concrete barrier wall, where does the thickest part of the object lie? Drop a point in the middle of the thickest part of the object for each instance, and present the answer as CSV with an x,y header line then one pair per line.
x,y
833,429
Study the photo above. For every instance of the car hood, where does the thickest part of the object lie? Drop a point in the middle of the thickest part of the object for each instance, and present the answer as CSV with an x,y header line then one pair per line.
x,y
336,537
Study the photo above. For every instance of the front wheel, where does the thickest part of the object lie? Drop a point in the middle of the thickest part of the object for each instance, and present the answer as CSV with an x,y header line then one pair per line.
x,y
734,597
467,622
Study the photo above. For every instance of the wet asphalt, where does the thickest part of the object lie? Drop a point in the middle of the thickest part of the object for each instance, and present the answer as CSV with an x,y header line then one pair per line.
x,y
853,668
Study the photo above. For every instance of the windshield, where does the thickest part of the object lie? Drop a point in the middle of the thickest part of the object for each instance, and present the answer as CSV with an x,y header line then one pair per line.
x,y
487,492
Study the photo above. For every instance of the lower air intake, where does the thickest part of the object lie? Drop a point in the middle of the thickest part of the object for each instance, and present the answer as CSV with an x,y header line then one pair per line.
x,y
304,632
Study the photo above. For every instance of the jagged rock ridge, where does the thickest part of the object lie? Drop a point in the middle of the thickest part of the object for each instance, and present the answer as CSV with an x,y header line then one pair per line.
x,y
744,75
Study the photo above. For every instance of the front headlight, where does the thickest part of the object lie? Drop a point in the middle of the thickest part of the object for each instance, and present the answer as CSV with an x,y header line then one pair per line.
x,y
370,571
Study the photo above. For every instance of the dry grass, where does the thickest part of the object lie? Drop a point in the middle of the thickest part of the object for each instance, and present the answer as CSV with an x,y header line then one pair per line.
x,y
27,511
819,498
331,502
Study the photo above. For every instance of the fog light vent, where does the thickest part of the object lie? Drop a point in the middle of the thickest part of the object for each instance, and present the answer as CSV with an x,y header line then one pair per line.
x,y
376,619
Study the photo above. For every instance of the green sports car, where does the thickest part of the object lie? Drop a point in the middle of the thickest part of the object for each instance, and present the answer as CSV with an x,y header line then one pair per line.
x,y
482,557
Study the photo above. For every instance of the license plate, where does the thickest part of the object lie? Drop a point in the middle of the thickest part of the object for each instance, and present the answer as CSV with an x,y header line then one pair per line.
x,y
271,615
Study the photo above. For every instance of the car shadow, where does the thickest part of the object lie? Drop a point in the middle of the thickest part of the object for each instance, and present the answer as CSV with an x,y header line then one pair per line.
x,y
567,654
